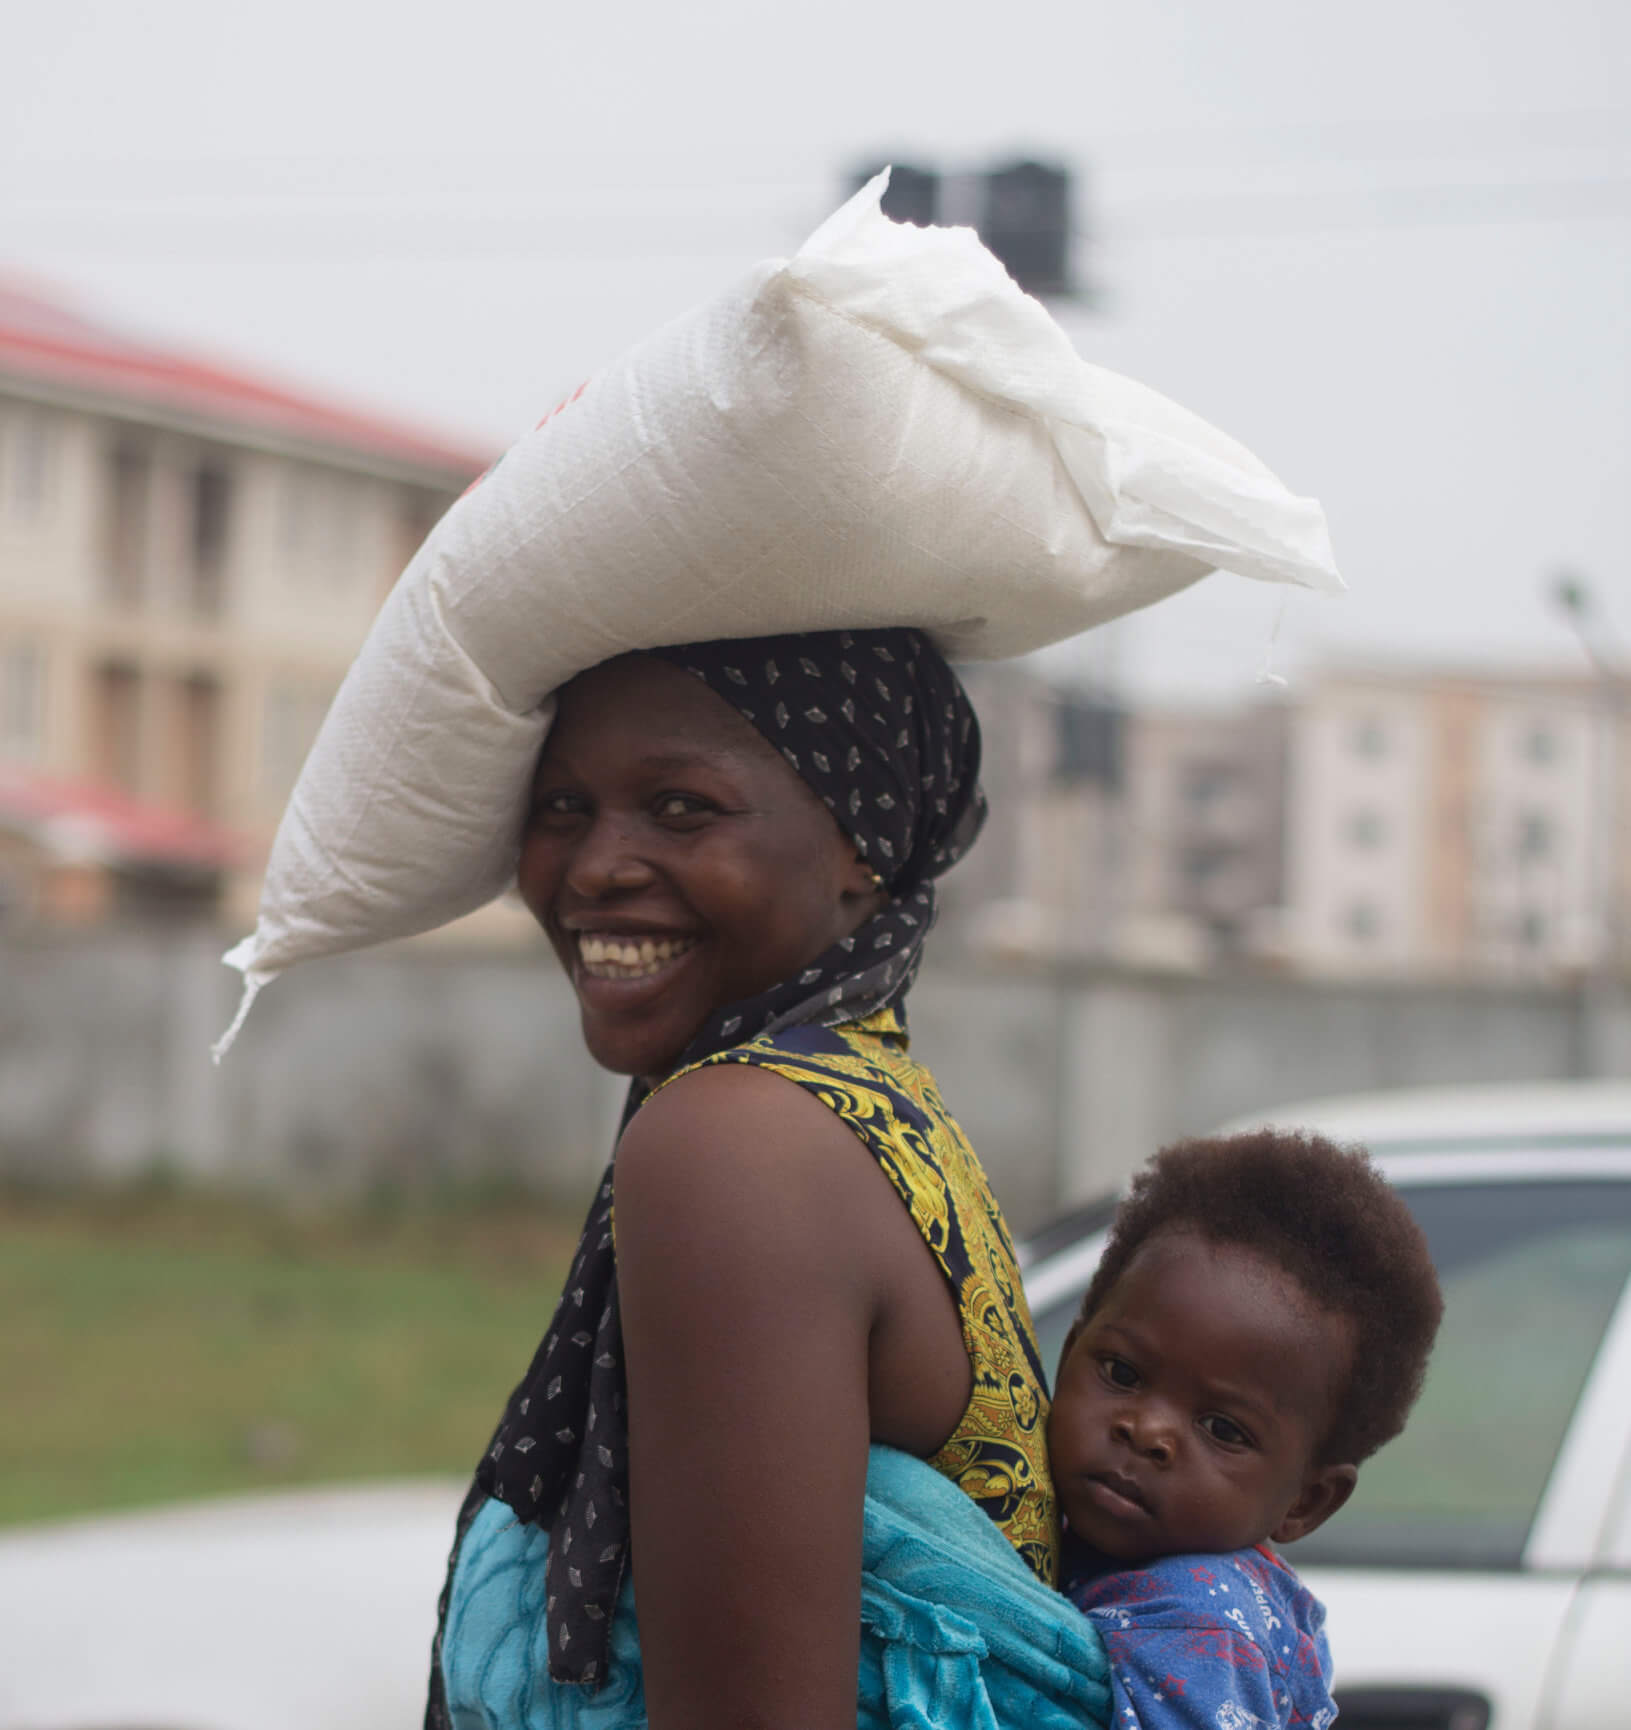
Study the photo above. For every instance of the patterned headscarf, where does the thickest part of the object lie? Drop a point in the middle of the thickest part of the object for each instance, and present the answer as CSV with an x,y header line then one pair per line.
x,y
878,726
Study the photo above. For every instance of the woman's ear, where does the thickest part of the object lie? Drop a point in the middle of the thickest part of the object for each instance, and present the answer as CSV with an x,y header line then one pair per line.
x,y
861,880
1324,1490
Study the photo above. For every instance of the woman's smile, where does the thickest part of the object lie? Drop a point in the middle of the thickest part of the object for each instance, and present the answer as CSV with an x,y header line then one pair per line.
x,y
611,955
620,975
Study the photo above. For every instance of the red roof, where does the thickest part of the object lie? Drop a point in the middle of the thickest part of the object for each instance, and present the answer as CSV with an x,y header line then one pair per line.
x,y
87,822
48,342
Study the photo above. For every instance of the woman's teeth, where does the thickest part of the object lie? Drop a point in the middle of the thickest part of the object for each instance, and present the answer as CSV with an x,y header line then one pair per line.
x,y
628,957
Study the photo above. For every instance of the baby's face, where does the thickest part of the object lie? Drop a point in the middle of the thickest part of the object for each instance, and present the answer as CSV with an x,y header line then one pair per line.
x,y
1192,1403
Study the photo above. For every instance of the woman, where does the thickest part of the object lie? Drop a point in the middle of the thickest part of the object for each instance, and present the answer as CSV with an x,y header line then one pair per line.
x,y
731,847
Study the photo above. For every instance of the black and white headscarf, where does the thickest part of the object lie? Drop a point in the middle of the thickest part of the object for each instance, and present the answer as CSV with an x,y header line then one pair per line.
x,y
879,727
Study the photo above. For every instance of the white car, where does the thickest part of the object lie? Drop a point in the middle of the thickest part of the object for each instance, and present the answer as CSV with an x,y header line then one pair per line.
x,y
1481,1576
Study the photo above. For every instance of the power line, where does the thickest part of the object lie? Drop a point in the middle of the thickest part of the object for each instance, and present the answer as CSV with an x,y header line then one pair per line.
x,y
446,236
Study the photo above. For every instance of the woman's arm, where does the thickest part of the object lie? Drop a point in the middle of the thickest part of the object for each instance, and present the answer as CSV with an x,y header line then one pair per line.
x,y
754,1241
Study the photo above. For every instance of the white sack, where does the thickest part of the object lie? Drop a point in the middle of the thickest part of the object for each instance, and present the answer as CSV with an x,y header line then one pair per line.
x,y
882,430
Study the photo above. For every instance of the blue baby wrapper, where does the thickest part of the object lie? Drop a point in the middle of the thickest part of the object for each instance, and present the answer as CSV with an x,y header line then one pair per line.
x,y
956,1632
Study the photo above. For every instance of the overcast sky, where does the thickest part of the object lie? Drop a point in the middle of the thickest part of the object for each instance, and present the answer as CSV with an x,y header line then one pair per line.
x,y
1388,246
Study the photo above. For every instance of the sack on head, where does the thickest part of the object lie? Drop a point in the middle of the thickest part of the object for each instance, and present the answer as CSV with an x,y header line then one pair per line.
x,y
881,430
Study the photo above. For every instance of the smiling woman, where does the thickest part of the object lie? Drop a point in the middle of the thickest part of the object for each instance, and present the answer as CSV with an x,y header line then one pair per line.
x,y
731,847
880,431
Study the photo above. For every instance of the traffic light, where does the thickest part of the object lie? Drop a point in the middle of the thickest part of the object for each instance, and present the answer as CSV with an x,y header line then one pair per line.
x,y
1025,220
913,194
1021,210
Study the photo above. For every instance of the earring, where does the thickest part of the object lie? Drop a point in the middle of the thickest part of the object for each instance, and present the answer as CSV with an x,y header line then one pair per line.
x,y
877,881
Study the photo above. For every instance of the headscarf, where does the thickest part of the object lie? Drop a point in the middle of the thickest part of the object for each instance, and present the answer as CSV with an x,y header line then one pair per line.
x,y
878,726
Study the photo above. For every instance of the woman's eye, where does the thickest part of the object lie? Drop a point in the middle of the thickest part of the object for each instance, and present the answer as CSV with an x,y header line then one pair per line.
x,y
671,805
558,804
1225,1430
1119,1373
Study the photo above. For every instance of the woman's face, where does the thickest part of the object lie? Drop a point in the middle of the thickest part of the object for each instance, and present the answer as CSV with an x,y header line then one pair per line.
x,y
676,863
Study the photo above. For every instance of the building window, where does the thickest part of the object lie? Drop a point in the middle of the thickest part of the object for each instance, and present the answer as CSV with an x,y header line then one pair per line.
x,y
1202,866
1369,738
1362,922
124,568
116,718
1534,836
1206,786
1366,830
22,702
1532,929
211,501
1539,745
1088,742
26,451
198,714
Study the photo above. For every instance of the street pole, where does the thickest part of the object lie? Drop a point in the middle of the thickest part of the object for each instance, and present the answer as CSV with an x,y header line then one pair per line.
x,y
1608,1012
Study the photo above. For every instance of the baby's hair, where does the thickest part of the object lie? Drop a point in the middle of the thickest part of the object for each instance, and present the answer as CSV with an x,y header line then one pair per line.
x,y
1325,1216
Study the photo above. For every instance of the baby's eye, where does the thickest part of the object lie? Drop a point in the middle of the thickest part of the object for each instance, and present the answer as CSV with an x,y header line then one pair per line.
x,y
1119,1373
1225,1430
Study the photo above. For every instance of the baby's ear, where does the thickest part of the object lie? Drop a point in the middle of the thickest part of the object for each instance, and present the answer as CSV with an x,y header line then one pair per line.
x,y
1324,1490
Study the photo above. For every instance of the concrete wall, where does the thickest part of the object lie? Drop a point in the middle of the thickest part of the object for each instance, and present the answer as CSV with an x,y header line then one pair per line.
x,y
412,1066
393,1068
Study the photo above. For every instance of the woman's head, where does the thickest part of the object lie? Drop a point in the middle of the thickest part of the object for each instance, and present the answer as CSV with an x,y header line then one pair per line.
x,y
681,861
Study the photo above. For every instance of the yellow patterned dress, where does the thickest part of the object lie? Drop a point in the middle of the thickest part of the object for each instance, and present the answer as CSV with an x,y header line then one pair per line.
x,y
863,1071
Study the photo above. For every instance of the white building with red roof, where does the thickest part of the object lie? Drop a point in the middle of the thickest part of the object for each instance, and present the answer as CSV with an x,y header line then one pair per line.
x,y
189,559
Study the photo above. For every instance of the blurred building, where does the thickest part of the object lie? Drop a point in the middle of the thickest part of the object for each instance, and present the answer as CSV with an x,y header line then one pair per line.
x,y
1382,823
1206,834
189,560
1046,879
1455,824
1146,837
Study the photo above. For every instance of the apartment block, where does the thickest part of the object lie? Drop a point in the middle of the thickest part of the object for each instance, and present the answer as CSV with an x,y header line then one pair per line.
x,y
1387,822
189,559
1460,824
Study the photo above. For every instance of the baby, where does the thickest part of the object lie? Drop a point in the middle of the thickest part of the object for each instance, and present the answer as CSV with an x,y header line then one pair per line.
x,y
1259,1325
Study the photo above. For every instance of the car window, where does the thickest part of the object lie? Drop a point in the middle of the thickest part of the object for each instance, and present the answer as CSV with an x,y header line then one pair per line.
x,y
1531,1274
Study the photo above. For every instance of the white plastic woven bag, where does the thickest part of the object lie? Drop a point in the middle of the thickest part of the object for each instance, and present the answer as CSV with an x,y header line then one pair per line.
x,y
882,430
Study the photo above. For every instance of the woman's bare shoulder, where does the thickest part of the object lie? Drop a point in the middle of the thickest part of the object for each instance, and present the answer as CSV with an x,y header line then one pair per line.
x,y
736,1106
753,1152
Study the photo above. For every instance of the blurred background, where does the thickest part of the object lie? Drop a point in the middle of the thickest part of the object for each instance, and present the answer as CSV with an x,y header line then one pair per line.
x,y
277,283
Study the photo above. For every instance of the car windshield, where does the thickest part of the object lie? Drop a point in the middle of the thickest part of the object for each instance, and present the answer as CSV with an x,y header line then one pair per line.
x,y
1531,1274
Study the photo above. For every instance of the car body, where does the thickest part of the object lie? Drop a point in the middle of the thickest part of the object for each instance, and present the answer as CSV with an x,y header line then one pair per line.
x,y
1482,1574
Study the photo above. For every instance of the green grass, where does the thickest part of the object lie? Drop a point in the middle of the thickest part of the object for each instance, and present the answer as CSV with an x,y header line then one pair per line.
x,y
158,1345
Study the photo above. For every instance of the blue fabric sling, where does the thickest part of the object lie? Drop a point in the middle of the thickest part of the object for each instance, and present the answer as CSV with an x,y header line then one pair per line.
x,y
956,1632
